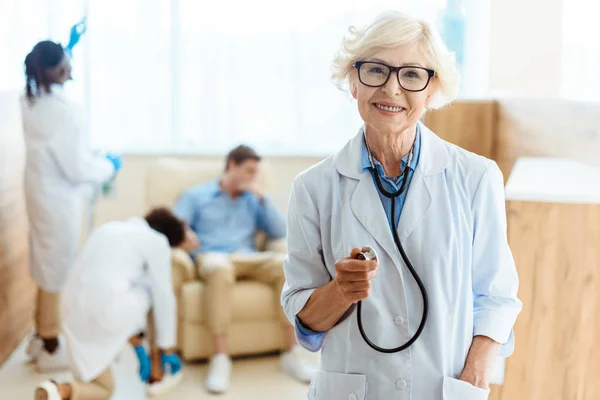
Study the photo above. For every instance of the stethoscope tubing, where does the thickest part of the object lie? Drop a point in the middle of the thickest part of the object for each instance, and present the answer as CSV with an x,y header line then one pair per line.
x,y
409,265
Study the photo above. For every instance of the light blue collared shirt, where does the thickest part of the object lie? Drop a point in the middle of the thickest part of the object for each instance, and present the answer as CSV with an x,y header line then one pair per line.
x,y
313,340
227,225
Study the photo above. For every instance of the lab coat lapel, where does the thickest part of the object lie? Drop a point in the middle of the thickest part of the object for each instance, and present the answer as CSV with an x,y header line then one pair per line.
x,y
364,201
433,159
366,206
416,205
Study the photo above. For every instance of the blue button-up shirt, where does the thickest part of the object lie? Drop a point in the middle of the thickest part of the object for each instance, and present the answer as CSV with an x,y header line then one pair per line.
x,y
228,225
313,340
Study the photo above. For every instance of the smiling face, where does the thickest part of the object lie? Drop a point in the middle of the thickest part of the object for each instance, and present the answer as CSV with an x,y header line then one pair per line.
x,y
390,108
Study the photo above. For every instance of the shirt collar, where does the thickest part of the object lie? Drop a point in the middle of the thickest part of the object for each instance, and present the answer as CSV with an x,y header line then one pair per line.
x,y
366,164
214,190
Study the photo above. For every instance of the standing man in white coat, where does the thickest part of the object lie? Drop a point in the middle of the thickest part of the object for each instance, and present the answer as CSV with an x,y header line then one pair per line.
x,y
58,165
122,274
426,313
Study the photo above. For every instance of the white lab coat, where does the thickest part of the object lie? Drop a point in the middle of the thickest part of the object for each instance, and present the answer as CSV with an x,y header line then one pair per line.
x,y
453,228
57,166
124,269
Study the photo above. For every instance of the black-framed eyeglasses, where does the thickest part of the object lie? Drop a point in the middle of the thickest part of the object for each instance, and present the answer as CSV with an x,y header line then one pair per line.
x,y
376,74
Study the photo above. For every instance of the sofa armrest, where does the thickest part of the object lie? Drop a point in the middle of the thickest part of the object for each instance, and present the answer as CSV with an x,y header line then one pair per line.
x,y
183,268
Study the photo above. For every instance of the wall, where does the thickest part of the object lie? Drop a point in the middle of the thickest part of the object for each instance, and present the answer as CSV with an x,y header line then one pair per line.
x,y
546,128
526,47
16,289
468,124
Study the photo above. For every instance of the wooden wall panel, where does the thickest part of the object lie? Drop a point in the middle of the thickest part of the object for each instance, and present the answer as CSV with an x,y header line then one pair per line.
x,y
17,292
495,392
468,124
546,128
558,259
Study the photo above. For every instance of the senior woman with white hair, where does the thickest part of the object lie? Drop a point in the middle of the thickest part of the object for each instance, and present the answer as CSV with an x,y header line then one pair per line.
x,y
433,297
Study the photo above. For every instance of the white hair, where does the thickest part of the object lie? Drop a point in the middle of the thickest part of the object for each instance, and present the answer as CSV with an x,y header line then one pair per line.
x,y
392,29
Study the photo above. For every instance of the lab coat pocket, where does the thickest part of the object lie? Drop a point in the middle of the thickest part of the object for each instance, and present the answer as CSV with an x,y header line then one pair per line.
x,y
455,389
337,386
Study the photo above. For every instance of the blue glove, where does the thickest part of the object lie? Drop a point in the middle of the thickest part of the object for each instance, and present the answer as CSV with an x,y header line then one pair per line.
x,y
145,365
76,32
171,360
115,160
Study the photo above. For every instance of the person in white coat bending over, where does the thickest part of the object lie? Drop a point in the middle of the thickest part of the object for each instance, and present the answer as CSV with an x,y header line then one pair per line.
x,y
399,269
121,277
57,166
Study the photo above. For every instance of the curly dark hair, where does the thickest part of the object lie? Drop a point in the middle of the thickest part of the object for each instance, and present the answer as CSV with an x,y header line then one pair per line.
x,y
162,220
45,55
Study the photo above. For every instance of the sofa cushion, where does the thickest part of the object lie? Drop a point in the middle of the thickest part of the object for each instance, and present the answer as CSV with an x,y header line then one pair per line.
x,y
252,301
244,338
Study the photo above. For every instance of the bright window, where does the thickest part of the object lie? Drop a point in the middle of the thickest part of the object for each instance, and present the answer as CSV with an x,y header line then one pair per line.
x,y
581,50
201,77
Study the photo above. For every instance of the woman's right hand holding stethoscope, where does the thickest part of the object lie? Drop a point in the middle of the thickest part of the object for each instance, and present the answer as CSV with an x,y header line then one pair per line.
x,y
351,284
353,276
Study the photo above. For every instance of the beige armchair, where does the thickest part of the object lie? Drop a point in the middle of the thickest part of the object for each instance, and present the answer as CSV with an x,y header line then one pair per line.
x,y
255,327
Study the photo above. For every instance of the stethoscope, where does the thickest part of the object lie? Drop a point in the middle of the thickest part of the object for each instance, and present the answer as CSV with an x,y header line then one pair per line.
x,y
371,255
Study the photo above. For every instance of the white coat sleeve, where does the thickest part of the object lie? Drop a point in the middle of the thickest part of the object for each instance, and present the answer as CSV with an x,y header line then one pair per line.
x,y
495,280
304,267
164,306
68,150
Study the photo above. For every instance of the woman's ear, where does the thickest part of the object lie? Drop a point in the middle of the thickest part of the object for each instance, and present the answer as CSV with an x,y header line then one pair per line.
x,y
352,79
353,89
432,90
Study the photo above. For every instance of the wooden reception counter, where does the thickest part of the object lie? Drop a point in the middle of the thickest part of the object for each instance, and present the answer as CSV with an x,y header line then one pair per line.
x,y
553,210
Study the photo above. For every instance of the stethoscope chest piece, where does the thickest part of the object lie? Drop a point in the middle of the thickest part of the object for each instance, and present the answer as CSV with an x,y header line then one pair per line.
x,y
367,253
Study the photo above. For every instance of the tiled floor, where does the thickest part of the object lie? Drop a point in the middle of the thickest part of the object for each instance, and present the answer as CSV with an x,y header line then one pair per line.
x,y
253,378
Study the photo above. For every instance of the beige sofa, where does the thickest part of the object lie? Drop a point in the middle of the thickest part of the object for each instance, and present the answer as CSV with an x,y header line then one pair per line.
x,y
255,328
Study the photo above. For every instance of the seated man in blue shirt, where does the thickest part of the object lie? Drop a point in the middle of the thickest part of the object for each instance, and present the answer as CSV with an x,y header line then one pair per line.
x,y
225,215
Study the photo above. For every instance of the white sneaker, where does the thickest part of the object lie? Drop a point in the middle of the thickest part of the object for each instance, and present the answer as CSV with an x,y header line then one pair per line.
x,y
47,390
34,347
293,365
54,362
167,383
219,374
